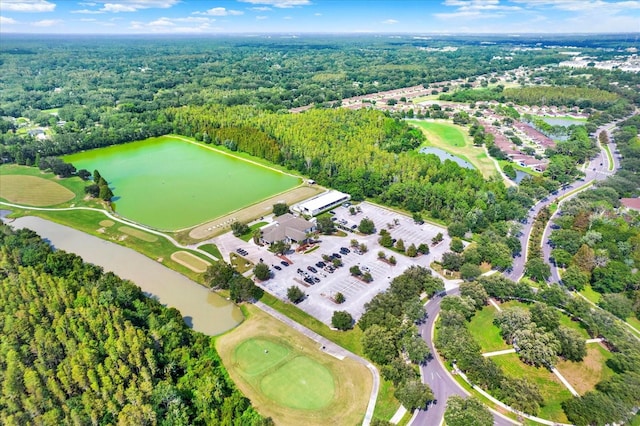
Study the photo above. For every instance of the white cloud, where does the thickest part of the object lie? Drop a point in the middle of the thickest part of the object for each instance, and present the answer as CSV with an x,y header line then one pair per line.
x,y
135,5
220,11
27,6
88,12
88,20
389,22
279,3
261,17
287,17
46,23
476,9
317,14
197,24
261,8
582,5
7,21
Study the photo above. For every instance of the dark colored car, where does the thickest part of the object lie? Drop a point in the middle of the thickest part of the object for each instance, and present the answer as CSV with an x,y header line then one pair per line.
x,y
312,269
344,250
321,264
277,267
336,256
283,263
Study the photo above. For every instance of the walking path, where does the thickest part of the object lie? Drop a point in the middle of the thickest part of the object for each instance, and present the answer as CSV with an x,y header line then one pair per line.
x,y
495,305
117,219
502,352
334,350
564,382
398,415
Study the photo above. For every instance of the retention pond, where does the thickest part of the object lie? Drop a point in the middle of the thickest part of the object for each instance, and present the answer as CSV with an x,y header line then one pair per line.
x,y
202,309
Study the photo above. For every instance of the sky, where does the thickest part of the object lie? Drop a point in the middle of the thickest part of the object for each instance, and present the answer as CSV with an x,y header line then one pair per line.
x,y
318,16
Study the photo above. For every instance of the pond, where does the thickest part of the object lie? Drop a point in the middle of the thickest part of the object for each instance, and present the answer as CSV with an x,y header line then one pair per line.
x,y
202,309
444,155
171,184
563,121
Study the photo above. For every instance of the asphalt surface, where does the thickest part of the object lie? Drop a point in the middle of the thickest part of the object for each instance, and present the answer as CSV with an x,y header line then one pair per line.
x,y
435,374
596,170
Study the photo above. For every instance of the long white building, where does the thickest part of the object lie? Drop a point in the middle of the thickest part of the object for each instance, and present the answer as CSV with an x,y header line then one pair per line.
x,y
321,203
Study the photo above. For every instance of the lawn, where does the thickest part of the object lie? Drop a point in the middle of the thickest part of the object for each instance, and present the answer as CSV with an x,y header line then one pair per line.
x,y
609,156
553,392
584,375
252,228
92,222
454,139
590,294
241,264
33,191
485,332
169,183
287,376
211,249
30,186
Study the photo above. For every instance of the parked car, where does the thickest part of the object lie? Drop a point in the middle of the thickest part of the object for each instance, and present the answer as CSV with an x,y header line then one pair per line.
x,y
312,269
321,264
336,256
283,263
277,267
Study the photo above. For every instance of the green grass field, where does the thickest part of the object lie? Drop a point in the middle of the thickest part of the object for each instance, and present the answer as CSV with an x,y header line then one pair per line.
x,y
287,376
553,392
33,191
485,332
211,249
300,383
190,261
454,139
171,183
590,294
141,235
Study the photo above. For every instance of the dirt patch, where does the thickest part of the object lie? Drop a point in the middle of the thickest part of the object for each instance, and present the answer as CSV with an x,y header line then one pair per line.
x,y
106,223
190,261
263,208
584,375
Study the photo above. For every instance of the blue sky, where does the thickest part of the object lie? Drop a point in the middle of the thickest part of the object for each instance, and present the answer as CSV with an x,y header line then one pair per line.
x,y
318,16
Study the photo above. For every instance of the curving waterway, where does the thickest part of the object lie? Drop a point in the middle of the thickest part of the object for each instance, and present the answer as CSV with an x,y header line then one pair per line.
x,y
202,309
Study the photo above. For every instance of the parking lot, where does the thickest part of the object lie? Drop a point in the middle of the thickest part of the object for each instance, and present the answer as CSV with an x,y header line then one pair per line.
x,y
319,300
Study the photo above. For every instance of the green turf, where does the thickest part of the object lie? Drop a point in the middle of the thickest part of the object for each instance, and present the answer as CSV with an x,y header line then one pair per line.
x,y
169,183
449,133
252,229
553,392
255,356
301,383
485,332
454,139
590,294
211,249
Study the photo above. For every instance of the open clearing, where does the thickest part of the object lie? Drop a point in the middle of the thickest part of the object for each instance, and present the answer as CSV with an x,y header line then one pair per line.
x,y
190,261
553,392
294,382
170,183
107,223
455,140
33,190
584,375
485,332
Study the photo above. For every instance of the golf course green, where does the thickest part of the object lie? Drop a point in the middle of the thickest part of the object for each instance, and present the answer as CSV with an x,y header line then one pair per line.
x,y
169,183
285,376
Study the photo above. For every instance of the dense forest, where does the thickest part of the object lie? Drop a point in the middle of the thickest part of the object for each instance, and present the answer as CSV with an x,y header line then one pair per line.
x,y
80,346
350,151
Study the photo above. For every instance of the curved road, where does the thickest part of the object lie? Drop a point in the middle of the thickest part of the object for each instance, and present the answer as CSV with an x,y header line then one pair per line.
x,y
436,375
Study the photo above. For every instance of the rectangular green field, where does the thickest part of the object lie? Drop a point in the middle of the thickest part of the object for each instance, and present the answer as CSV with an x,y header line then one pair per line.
x,y
170,183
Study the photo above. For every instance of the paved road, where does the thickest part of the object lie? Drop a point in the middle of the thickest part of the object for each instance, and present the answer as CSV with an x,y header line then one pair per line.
x,y
435,374
597,169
